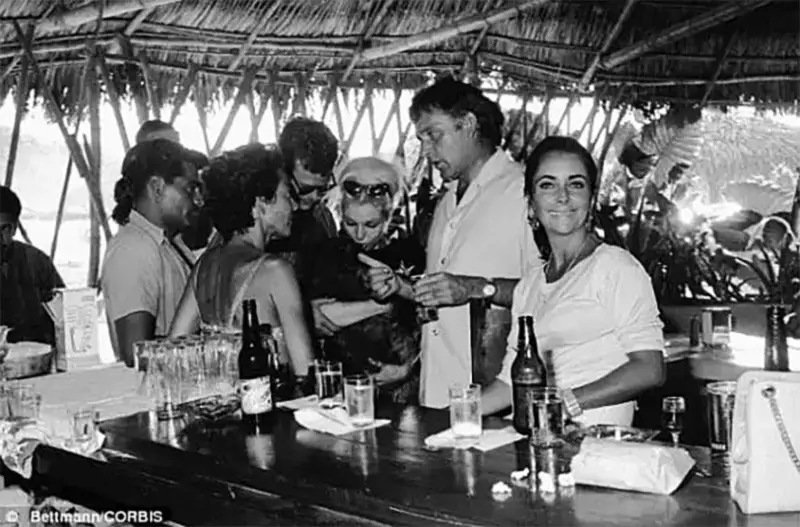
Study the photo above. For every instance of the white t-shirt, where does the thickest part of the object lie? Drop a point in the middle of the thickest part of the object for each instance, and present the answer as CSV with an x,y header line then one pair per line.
x,y
485,234
588,321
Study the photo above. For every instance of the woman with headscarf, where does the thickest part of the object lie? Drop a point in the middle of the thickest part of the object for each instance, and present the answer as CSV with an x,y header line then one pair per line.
x,y
381,338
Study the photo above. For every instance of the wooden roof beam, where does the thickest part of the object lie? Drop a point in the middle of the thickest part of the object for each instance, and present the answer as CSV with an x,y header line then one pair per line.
x,y
709,19
590,71
137,21
718,68
470,62
464,25
89,13
368,34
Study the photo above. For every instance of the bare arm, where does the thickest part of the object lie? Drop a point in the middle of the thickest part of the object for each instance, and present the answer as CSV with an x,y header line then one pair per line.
x,y
285,294
344,314
132,328
505,289
187,314
644,370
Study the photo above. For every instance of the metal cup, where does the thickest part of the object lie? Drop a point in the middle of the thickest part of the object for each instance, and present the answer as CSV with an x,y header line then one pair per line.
x,y
721,398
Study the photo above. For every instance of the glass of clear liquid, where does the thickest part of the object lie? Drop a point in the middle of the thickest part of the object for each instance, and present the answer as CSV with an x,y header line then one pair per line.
x,y
359,396
672,410
328,377
465,414
546,416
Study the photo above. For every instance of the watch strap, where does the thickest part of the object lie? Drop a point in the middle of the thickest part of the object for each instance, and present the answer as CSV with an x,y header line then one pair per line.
x,y
571,404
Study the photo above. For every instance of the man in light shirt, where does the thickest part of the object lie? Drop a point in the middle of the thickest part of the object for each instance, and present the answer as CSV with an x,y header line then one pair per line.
x,y
479,242
147,265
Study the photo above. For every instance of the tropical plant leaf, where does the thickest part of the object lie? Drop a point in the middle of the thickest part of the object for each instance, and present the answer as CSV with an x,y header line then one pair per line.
x,y
674,140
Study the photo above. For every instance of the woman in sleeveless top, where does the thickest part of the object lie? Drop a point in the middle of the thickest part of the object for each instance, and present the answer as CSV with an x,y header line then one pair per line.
x,y
380,338
249,202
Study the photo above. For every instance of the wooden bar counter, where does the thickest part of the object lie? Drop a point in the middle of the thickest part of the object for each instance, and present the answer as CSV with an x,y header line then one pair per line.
x,y
214,474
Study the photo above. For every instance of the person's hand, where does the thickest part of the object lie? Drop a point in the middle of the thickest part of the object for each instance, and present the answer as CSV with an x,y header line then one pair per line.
x,y
322,324
442,289
389,373
380,279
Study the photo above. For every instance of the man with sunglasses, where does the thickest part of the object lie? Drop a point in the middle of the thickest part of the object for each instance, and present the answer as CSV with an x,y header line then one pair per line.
x,y
310,151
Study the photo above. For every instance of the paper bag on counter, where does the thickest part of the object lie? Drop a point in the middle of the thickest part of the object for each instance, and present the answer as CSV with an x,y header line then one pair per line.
x,y
641,467
74,313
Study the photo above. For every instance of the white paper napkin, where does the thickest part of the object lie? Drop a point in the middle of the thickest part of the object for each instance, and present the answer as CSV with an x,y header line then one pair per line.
x,y
642,467
489,440
334,421
310,401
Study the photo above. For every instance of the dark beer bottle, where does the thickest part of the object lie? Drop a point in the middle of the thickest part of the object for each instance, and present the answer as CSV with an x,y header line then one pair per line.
x,y
527,373
255,386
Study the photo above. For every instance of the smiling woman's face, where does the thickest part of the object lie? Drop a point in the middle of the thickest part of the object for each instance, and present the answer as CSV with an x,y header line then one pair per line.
x,y
562,193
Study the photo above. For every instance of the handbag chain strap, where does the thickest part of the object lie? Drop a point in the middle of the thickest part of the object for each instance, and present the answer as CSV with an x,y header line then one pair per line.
x,y
769,394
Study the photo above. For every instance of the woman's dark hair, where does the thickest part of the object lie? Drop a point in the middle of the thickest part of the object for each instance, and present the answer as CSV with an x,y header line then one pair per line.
x,y
457,98
159,157
563,145
10,203
233,182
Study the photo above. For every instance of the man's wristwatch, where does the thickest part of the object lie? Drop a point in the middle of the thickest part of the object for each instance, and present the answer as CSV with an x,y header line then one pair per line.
x,y
489,290
571,403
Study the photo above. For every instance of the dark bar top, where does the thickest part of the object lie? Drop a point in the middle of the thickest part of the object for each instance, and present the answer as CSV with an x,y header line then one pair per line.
x,y
383,476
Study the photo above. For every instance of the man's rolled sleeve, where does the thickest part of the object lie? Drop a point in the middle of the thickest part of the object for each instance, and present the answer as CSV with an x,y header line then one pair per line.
x,y
130,281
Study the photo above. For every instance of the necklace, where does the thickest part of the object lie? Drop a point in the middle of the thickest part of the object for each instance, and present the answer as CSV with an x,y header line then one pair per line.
x,y
548,264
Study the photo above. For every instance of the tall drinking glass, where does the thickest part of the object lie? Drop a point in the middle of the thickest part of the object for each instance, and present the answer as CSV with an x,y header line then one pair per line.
x,y
546,416
672,410
328,377
359,396
465,414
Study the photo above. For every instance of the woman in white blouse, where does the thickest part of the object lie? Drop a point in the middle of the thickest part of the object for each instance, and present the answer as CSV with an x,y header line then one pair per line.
x,y
595,313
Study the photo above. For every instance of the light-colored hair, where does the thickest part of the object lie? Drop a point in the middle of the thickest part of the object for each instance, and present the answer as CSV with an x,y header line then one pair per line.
x,y
372,170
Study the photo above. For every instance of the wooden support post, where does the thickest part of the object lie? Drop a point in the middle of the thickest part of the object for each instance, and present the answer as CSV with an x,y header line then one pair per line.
x,y
72,143
590,71
372,27
337,113
62,201
373,133
570,103
149,84
607,121
93,92
359,115
590,116
11,65
200,101
517,118
607,142
244,88
718,15
300,95
395,109
540,119
470,67
183,94
88,13
278,108
256,116
21,103
333,93
113,99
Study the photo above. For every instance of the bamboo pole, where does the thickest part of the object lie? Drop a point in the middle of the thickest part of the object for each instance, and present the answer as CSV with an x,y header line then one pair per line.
x,y
89,13
96,157
357,121
251,111
62,201
394,111
470,62
11,65
607,120
137,20
567,108
517,118
21,102
328,100
464,25
373,133
610,38
607,142
200,105
72,143
726,48
113,99
709,19
337,113
541,118
590,116
134,75
244,87
183,94
267,15
300,95
153,100
372,27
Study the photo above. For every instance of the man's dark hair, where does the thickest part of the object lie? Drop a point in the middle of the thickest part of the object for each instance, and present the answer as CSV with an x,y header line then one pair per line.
x,y
158,157
233,182
10,203
457,98
151,127
310,142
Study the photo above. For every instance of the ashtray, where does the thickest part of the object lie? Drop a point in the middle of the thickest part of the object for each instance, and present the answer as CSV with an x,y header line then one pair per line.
x,y
614,432
212,408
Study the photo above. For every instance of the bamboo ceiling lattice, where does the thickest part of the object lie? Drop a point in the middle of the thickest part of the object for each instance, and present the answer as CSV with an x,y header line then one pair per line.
x,y
662,50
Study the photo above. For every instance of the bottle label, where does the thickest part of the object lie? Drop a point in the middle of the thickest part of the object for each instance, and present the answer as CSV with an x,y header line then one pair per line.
x,y
255,395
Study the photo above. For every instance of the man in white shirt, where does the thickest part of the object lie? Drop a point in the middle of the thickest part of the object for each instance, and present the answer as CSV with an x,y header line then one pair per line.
x,y
147,265
479,243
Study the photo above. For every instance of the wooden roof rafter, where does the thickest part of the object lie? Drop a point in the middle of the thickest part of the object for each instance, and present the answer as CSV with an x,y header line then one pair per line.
x,y
372,27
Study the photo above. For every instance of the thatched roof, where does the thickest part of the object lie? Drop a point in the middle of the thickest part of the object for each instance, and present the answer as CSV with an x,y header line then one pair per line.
x,y
547,45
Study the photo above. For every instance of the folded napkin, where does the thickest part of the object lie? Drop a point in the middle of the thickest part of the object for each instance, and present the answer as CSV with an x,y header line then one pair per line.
x,y
311,401
20,437
642,467
489,439
334,421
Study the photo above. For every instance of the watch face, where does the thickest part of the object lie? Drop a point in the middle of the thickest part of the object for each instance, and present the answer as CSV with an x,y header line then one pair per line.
x,y
489,290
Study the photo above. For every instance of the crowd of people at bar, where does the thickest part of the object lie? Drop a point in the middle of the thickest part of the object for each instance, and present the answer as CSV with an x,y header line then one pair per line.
x,y
199,235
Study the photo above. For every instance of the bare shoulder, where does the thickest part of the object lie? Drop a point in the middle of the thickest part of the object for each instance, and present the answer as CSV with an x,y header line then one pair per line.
x,y
276,271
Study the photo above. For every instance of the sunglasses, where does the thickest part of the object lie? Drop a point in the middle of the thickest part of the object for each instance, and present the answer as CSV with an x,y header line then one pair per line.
x,y
300,190
356,189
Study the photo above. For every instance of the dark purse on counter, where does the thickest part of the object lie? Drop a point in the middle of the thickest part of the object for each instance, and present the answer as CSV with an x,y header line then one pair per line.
x,y
489,329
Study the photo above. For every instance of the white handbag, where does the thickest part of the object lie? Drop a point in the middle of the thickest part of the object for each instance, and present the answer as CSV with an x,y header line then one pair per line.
x,y
765,462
